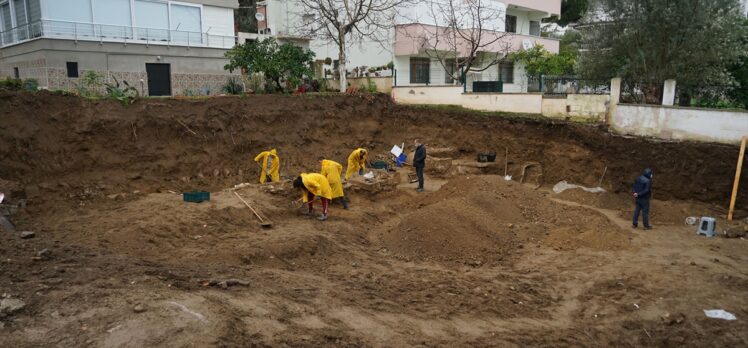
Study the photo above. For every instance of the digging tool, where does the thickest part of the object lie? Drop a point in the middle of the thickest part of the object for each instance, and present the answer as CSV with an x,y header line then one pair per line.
x,y
263,223
735,185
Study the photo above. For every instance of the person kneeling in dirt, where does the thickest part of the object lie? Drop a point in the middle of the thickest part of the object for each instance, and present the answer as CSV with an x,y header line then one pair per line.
x,y
270,163
642,191
419,162
312,185
356,162
332,171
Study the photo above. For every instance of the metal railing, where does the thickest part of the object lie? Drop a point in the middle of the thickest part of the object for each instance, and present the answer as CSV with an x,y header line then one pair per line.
x,y
562,86
112,33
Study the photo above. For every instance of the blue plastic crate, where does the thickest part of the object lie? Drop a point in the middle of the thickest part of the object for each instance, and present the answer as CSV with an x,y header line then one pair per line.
x,y
196,196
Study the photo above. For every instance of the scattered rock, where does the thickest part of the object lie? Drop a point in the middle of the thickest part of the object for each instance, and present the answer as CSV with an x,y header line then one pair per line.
x,y
736,232
139,308
693,263
9,306
27,234
45,255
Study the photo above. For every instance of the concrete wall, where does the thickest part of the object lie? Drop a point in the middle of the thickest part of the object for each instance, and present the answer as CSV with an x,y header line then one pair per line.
x,y
577,107
676,123
530,103
196,69
384,84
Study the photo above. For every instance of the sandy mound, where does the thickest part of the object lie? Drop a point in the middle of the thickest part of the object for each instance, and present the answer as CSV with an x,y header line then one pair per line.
x,y
486,219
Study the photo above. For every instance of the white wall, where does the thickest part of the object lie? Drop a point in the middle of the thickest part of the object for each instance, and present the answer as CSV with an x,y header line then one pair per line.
x,y
676,123
529,103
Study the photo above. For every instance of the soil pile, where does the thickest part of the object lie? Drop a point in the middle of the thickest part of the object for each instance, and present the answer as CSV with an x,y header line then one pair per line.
x,y
486,219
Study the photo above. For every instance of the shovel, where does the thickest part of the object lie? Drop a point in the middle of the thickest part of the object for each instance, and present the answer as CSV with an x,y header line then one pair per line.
x,y
263,223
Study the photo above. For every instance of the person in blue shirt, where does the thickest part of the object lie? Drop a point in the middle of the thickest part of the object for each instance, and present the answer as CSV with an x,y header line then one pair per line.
x,y
642,191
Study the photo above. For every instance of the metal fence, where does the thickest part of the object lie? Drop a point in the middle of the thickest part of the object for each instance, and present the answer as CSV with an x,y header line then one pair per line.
x,y
564,85
712,96
112,33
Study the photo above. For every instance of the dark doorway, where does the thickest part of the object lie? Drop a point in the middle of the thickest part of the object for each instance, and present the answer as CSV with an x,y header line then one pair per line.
x,y
159,79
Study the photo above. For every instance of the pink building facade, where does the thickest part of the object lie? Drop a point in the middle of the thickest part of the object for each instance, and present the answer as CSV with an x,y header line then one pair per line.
x,y
419,51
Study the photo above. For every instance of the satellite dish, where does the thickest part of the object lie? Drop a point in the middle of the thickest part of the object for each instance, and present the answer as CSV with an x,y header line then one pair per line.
x,y
259,16
527,44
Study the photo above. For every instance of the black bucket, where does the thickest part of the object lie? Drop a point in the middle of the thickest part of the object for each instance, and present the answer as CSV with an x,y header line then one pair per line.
x,y
487,157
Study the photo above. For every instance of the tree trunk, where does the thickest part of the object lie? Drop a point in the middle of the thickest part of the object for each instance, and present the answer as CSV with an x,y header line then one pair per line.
x,y
341,64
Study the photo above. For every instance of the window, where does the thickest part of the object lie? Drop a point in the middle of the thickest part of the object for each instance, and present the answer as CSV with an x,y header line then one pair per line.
x,y
335,64
450,67
70,10
6,16
16,73
419,70
506,71
19,6
113,12
185,23
151,15
535,28
308,19
511,24
72,69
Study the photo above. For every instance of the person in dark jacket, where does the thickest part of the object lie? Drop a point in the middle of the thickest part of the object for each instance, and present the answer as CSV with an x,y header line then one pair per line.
x,y
642,191
419,162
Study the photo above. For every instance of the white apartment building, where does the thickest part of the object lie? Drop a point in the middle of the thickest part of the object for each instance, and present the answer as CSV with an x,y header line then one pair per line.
x,y
164,47
520,19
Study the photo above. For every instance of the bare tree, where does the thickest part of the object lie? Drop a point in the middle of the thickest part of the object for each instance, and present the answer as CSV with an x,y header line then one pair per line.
x,y
348,21
463,35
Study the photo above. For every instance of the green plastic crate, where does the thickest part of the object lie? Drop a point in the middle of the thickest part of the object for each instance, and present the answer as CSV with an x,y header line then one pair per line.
x,y
196,196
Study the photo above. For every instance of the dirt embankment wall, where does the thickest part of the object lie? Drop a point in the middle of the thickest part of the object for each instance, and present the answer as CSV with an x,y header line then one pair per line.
x,y
58,143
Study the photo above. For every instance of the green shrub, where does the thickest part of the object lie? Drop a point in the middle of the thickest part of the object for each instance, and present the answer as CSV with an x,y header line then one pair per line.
x,y
371,85
11,84
233,86
122,92
322,85
90,84
31,85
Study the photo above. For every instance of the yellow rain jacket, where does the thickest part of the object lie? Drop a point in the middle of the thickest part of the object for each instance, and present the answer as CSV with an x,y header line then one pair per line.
x,y
316,184
274,171
332,171
356,161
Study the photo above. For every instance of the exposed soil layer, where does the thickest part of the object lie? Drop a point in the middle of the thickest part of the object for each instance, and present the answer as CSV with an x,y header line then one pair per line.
x,y
120,260
49,140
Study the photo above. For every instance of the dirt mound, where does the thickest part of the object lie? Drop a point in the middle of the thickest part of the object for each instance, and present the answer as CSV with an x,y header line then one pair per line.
x,y
486,219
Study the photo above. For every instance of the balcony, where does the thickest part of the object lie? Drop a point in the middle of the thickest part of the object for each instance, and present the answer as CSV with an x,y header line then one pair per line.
x,y
112,33
552,7
409,41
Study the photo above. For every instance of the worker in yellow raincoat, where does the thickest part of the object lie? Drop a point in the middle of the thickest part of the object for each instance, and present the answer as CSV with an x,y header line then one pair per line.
x,y
332,171
314,185
356,162
270,164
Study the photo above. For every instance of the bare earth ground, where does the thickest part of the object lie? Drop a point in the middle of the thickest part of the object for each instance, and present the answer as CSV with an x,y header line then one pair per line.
x,y
474,261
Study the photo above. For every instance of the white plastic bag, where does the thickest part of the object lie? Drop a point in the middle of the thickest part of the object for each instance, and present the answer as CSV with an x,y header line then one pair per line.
x,y
369,175
563,186
719,314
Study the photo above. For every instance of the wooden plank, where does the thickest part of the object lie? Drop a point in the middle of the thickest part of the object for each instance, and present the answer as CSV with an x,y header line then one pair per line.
x,y
737,178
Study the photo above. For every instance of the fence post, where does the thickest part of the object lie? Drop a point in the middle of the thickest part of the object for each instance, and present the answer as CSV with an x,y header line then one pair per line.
x,y
394,75
540,83
615,98
668,93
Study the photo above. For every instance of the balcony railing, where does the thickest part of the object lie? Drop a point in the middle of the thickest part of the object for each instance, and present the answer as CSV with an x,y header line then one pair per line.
x,y
112,33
